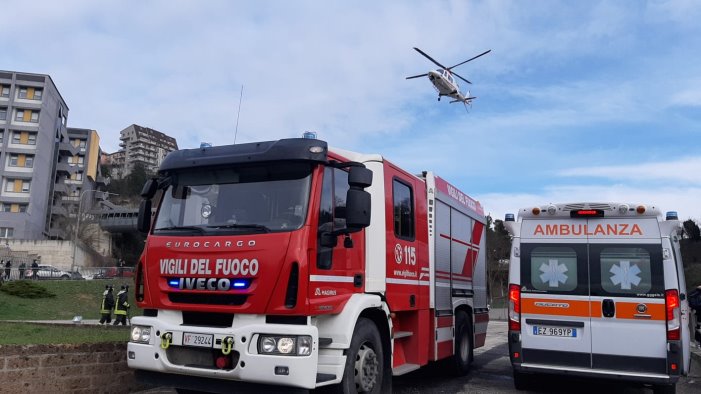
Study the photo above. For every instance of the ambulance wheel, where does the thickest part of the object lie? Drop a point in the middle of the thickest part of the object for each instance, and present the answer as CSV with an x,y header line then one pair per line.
x,y
521,380
664,389
364,361
462,358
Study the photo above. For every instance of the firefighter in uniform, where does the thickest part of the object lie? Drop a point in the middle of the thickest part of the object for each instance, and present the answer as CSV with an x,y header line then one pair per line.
x,y
106,306
120,310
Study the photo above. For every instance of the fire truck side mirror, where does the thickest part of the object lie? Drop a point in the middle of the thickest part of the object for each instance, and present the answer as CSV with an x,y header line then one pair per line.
x,y
357,199
357,210
143,223
149,189
359,177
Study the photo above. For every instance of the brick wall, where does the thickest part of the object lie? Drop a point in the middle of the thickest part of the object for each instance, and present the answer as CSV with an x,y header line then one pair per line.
x,y
83,368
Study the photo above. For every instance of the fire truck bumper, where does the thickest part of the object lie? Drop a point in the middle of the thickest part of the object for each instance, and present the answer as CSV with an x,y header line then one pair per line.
x,y
258,353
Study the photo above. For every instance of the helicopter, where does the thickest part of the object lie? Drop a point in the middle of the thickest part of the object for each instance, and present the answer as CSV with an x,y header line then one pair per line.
x,y
443,81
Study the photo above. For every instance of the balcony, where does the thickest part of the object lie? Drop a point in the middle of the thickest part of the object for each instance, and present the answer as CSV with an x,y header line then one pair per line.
x,y
66,148
61,188
59,210
58,233
66,168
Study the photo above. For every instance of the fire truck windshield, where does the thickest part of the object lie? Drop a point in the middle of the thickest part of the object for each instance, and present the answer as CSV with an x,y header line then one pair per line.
x,y
246,199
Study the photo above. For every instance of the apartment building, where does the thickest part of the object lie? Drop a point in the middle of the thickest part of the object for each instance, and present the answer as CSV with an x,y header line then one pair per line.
x,y
43,166
33,118
141,145
86,176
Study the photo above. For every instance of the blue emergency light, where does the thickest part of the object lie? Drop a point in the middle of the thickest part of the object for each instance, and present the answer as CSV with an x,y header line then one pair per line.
x,y
672,215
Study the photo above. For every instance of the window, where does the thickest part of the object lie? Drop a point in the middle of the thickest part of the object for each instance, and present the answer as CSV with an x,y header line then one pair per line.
x,y
553,268
4,91
30,93
27,115
20,160
17,185
78,176
24,138
2,135
3,113
6,232
626,270
403,210
331,213
14,208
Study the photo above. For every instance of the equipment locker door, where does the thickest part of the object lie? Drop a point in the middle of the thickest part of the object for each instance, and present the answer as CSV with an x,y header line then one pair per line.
x,y
555,307
629,330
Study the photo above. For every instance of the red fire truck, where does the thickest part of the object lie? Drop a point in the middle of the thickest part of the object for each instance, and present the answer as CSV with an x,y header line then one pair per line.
x,y
292,264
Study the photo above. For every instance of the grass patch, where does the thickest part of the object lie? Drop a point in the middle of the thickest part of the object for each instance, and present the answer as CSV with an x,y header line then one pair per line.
x,y
73,297
26,289
27,333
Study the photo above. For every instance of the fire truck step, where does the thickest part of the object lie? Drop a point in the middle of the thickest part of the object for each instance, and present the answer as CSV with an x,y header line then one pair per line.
x,y
402,334
404,368
324,377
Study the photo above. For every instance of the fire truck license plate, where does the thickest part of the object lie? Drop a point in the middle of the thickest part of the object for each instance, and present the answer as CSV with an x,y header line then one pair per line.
x,y
200,340
555,331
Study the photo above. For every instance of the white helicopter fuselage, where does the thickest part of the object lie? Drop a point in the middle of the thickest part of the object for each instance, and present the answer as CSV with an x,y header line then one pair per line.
x,y
444,83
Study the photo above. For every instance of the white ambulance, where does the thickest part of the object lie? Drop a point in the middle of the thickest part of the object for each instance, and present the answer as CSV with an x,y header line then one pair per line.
x,y
597,289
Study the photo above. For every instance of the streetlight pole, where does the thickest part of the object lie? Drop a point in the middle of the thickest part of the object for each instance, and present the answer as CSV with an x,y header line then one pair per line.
x,y
77,220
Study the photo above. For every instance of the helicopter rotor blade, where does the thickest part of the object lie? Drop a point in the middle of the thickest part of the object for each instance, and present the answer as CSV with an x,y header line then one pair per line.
x,y
429,57
452,72
417,76
469,60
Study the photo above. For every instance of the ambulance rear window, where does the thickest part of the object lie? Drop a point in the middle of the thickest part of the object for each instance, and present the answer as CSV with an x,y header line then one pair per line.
x,y
626,270
554,268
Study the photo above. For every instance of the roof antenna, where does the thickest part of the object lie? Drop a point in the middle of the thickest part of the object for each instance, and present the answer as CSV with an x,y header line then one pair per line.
x,y
237,115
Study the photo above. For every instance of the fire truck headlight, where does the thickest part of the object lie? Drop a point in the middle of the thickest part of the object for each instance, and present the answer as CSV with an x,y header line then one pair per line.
x,y
268,344
286,345
140,334
304,346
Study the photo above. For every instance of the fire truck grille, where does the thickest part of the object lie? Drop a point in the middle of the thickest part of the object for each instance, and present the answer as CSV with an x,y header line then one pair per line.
x,y
199,357
207,299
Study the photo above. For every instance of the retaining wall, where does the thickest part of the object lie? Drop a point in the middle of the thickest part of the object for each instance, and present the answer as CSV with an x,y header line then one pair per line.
x,y
80,368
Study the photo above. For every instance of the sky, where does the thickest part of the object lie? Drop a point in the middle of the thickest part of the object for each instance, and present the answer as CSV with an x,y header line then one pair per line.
x,y
577,101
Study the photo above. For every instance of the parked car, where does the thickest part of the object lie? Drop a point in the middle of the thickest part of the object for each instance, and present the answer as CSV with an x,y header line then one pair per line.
x,y
50,272
115,272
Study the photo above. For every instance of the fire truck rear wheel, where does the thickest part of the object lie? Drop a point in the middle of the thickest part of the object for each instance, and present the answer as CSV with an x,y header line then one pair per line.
x,y
364,361
462,357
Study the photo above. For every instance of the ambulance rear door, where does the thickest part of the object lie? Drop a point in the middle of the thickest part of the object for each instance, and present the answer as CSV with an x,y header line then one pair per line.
x,y
555,305
628,325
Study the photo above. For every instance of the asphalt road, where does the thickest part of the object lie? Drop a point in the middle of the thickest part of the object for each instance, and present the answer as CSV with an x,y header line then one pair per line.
x,y
491,373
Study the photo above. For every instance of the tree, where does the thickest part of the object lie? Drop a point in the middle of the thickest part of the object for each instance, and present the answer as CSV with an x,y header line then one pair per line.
x,y
498,252
692,231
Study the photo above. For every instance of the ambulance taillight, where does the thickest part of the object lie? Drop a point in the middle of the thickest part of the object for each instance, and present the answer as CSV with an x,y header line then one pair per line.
x,y
514,308
673,315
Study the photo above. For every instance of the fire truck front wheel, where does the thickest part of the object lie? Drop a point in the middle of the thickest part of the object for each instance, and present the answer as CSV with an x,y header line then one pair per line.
x,y
463,344
364,363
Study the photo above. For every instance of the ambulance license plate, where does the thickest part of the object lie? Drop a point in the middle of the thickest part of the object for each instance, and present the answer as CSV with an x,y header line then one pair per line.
x,y
199,340
555,331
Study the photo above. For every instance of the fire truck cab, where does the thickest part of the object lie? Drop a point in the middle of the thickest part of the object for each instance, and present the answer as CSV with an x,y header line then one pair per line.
x,y
288,263
597,289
